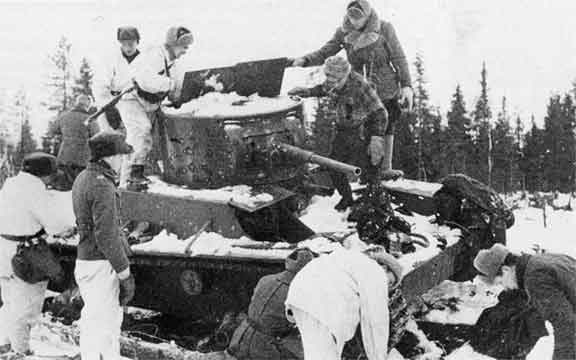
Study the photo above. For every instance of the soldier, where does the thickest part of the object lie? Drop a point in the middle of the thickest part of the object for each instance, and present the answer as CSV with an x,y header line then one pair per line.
x,y
26,211
153,83
335,293
117,76
73,153
374,51
549,280
266,333
360,125
102,268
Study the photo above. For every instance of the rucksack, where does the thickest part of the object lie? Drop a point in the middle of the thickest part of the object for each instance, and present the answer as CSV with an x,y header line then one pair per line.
x,y
462,199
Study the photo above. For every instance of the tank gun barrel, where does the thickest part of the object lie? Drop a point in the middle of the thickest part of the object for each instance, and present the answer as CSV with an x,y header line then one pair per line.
x,y
309,156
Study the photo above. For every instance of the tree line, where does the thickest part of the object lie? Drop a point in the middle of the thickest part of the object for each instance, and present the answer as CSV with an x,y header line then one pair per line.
x,y
491,146
63,84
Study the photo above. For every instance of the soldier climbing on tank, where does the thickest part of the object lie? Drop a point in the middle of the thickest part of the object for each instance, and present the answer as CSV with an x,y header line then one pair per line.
x,y
116,75
375,52
361,124
153,83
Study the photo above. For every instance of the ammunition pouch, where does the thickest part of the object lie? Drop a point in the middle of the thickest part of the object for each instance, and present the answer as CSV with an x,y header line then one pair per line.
x,y
34,261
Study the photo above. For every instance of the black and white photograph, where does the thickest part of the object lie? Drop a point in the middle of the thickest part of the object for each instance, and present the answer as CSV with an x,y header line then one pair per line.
x,y
287,180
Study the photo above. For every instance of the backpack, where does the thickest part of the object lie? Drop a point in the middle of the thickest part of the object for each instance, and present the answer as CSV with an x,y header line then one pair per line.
x,y
464,200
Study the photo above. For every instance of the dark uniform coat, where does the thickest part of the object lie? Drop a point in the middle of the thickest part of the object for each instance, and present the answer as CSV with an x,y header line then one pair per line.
x,y
550,281
267,334
75,134
375,53
96,208
359,115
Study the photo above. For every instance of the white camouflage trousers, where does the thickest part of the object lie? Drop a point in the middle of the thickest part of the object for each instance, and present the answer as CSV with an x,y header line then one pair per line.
x,y
317,340
21,307
101,316
138,125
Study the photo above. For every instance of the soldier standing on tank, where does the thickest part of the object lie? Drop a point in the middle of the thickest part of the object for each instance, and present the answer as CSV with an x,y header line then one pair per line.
x,y
73,153
154,82
375,52
116,76
360,125
102,267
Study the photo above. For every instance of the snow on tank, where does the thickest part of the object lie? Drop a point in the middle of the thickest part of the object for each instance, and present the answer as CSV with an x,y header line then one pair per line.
x,y
223,106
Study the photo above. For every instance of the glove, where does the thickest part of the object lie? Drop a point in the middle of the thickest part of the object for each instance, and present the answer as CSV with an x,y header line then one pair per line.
x,y
406,98
297,62
376,149
299,91
127,288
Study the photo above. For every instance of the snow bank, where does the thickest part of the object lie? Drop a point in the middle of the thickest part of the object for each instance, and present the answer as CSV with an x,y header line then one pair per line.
x,y
529,232
241,194
218,105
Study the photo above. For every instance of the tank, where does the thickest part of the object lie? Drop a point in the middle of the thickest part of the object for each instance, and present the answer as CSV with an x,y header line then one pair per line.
x,y
256,141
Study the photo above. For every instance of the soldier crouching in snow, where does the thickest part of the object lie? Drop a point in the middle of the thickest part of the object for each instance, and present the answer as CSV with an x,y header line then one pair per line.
x,y
153,83
549,280
266,333
334,294
26,211
360,125
102,267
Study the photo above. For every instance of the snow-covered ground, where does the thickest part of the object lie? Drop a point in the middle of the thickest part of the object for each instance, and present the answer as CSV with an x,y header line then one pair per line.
x,y
527,235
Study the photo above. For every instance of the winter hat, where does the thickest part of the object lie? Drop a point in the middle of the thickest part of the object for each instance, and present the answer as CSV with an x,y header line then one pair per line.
x,y
358,9
379,254
179,36
39,164
488,262
108,143
128,33
298,259
337,66
84,101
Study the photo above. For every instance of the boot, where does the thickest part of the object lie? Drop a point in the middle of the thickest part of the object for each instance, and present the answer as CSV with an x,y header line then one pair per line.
x,y
387,172
340,182
137,181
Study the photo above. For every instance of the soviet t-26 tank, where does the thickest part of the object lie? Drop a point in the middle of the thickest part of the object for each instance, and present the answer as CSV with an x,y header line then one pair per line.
x,y
236,165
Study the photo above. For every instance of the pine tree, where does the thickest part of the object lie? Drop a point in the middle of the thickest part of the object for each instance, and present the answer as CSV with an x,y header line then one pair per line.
x,y
428,133
60,79
458,139
532,164
503,151
482,132
83,83
26,143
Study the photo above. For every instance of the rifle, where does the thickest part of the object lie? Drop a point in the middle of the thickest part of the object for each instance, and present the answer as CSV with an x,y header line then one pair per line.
x,y
108,105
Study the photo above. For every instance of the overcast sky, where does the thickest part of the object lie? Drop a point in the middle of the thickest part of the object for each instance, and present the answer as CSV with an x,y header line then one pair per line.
x,y
529,46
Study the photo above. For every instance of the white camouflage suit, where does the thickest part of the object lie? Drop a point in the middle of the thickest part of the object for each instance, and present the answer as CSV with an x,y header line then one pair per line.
x,y
25,208
137,113
115,77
